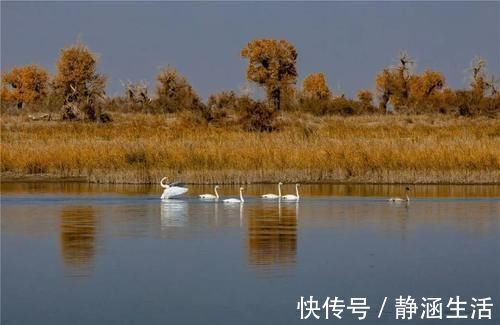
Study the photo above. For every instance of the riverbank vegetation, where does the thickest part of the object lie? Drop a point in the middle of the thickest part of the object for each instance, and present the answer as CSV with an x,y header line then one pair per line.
x,y
140,148
411,128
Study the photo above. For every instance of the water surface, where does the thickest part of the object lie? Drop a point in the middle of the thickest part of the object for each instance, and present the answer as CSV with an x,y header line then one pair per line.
x,y
109,254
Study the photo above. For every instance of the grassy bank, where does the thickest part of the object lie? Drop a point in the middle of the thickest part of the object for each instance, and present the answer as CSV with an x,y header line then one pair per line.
x,y
140,148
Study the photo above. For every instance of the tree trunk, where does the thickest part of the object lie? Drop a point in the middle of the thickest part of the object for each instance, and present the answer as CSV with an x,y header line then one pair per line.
x,y
383,103
276,98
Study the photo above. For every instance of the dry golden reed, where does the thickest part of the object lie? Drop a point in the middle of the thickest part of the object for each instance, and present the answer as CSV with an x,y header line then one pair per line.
x,y
140,148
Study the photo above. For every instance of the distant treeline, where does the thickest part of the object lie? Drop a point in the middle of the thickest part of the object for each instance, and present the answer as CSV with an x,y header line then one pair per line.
x,y
77,91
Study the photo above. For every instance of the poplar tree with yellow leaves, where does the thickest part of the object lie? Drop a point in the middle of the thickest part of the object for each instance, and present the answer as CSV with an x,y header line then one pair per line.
x,y
272,65
78,81
24,85
316,86
77,72
393,83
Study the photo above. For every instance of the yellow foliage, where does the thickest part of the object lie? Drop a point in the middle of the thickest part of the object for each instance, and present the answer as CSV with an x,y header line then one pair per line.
x,y
393,83
271,64
316,86
25,84
174,91
426,84
388,85
77,68
424,90
365,97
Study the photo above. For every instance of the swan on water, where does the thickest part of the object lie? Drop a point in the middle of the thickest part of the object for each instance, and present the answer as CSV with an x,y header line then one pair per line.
x,y
291,197
398,199
234,200
172,190
210,196
274,196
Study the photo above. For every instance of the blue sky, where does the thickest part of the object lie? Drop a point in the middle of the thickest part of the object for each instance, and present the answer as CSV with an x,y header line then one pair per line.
x,y
348,41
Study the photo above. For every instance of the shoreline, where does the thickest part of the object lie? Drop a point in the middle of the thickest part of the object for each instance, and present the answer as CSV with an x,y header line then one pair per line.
x,y
258,177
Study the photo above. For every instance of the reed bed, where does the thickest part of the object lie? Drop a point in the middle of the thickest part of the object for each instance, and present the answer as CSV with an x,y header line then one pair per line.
x,y
141,148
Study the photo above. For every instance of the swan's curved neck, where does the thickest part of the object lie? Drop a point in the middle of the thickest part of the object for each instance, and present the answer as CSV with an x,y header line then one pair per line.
x,y
163,185
297,190
241,196
216,194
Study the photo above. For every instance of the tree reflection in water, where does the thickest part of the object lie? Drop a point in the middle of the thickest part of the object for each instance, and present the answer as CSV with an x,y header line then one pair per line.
x,y
78,238
272,235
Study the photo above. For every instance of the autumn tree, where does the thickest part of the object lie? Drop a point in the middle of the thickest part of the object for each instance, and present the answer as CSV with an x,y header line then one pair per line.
x,y
316,86
25,85
404,74
174,92
392,83
272,65
365,97
77,72
315,96
483,97
478,77
77,79
423,88
426,84
387,86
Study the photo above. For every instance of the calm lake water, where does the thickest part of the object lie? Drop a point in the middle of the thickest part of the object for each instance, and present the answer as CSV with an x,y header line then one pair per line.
x,y
102,254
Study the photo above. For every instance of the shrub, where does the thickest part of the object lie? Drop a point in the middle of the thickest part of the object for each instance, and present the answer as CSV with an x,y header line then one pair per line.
x,y
174,92
314,105
223,100
365,98
137,93
343,106
469,104
334,106
219,105
257,117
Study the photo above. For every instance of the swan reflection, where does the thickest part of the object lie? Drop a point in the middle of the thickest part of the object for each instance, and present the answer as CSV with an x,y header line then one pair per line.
x,y
173,213
227,214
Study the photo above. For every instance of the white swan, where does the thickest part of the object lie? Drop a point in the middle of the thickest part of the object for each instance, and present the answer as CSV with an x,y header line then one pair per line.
x,y
234,200
291,197
210,196
273,196
171,190
398,199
